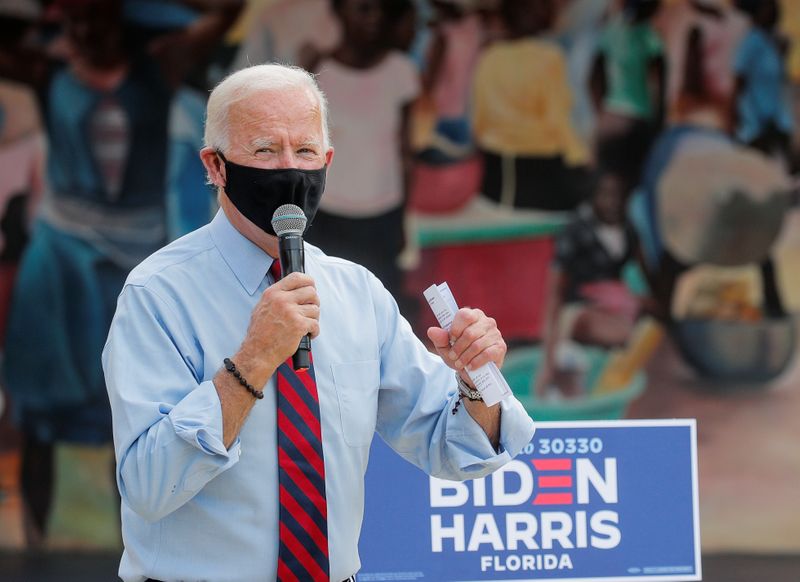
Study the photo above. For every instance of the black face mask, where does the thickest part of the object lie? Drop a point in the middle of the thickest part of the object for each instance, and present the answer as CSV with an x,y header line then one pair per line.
x,y
257,193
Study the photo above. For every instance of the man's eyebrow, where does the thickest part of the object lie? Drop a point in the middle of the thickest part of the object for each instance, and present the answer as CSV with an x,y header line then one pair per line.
x,y
262,142
309,142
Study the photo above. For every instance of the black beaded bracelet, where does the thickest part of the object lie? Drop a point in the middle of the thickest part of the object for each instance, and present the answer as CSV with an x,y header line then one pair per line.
x,y
231,367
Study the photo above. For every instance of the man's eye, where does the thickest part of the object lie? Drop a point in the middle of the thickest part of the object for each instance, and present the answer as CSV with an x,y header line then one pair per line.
x,y
268,149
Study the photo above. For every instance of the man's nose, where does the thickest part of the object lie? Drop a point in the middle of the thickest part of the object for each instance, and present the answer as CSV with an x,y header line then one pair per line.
x,y
287,158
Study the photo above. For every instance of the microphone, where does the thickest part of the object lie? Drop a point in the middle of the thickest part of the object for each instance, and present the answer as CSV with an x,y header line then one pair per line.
x,y
289,222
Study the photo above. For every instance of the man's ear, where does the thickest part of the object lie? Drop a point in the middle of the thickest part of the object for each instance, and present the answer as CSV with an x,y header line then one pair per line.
x,y
329,157
215,169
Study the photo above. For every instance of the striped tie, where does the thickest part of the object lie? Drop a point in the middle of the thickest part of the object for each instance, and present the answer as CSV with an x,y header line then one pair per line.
x,y
303,552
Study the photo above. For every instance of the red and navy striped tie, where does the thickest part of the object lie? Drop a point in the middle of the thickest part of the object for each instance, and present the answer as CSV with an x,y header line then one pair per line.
x,y
303,551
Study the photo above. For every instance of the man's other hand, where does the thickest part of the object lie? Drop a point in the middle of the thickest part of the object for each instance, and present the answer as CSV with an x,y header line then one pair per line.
x,y
473,341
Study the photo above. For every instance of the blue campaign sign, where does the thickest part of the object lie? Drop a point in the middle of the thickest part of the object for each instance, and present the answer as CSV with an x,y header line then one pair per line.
x,y
594,500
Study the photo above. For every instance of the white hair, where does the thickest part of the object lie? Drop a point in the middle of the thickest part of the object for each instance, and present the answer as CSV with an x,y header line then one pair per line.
x,y
248,82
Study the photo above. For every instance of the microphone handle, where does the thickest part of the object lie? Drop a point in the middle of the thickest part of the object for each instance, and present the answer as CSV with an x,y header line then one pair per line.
x,y
301,360
292,257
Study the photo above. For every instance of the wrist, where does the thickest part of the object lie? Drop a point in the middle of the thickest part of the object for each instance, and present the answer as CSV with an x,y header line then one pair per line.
x,y
488,417
236,373
256,368
467,389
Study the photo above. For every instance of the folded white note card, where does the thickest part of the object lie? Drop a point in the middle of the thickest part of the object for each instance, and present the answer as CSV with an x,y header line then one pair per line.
x,y
487,379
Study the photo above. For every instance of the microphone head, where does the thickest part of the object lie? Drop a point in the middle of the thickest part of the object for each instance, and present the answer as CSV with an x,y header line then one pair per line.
x,y
289,219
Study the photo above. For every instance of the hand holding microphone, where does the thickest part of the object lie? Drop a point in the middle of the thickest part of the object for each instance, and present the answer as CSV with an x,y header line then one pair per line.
x,y
289,223
287,314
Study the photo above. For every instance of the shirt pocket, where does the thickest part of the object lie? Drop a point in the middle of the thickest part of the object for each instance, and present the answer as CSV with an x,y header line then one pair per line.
x,y
357,391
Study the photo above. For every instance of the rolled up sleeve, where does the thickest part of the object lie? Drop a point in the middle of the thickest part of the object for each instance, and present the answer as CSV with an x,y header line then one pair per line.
x,y
472,452
197,419
167,423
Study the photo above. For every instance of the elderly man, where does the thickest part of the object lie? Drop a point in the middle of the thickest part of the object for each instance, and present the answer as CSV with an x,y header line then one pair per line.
x,y
249,470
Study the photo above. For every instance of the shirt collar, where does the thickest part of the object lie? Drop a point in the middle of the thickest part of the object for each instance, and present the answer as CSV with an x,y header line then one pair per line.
x,y
248,262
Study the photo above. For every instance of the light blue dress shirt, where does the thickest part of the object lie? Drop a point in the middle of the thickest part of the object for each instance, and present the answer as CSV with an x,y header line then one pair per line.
x,y
192,510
